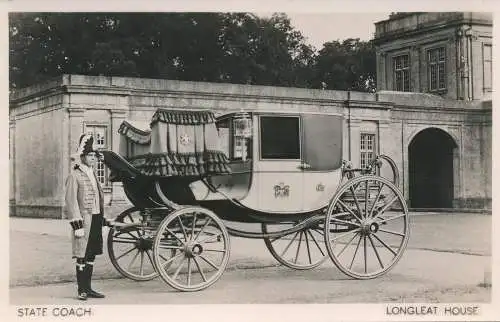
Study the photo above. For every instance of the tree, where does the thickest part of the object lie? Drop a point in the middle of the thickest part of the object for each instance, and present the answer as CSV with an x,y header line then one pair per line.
x,y
346,65
215,47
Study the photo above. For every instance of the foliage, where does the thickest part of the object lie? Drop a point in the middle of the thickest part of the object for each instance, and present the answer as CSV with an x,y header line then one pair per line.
x,y
346,65
215,47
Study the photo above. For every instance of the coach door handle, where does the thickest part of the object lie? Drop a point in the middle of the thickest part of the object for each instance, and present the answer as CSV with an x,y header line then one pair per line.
x,y
304,166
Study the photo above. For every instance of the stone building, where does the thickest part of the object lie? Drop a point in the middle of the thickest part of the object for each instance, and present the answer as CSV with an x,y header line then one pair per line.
x,y
440,141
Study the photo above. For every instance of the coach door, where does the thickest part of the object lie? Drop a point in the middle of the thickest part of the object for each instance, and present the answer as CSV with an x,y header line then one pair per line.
x,y
278,172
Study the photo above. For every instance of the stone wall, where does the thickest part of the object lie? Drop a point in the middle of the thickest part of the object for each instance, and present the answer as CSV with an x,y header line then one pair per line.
x,y
37,163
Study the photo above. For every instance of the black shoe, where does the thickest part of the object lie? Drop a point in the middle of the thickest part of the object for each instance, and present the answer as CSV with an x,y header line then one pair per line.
x,y
90,292
94,294
82,296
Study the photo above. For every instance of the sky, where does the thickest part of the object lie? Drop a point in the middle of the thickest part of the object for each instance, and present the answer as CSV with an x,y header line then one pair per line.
x,y
319,28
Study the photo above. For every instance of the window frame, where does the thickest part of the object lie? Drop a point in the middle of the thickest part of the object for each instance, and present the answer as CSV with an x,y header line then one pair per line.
x,y
437,64
299,136
362,151
232,139
91,128
490,88
401,71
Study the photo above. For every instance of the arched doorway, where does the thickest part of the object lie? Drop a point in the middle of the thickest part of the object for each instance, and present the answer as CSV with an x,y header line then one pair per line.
x,y
431,169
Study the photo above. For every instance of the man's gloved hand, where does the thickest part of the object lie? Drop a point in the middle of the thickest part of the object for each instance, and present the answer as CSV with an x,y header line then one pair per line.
x,y
79,233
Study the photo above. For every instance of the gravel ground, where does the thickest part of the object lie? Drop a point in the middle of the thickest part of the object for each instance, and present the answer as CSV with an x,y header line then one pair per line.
x,y
40,251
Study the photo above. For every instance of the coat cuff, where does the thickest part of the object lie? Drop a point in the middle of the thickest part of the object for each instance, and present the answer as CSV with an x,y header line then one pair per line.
x,y
76,224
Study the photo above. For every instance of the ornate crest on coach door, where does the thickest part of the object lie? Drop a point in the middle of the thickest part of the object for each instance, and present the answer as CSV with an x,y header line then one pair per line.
x,y
281,190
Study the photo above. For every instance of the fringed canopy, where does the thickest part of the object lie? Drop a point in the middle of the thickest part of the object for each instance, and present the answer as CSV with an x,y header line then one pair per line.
x,y
134,134
181,164
183,117
180,143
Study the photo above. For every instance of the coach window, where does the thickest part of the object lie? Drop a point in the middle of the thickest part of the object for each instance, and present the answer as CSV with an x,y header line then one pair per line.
x,y
280,137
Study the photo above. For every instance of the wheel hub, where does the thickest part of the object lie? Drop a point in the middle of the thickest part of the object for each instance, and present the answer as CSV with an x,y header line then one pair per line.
x,y
192,250
144,244
369,227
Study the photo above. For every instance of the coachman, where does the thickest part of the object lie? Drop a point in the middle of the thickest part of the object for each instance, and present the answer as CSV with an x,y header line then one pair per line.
x,y
85,211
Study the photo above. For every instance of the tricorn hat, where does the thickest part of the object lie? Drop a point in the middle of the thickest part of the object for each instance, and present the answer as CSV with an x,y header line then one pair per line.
x,y
86,145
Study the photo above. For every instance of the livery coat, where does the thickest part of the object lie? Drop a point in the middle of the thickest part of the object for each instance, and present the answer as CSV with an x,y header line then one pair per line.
x,y
79,199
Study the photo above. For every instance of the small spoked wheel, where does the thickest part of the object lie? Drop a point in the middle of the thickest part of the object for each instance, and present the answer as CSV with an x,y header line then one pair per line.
x,y
131,249
302,250
191,249
367,227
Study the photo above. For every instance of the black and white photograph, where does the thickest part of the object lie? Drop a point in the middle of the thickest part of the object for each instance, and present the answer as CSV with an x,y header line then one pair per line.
x,y
229,157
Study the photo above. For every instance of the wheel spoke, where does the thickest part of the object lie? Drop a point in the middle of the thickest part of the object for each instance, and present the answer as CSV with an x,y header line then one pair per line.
x,y
134,237
200,270
346,233
189,272
141,270
355,253
133,260
150,258
387,246
321,232
307,247
376,199
346,222
347,245
182,227
376,252
355,199
214,250
349,210
203,228
298,247
178,269
194,225
379,219
163,246
386,206
169,231
391,232
117,258
365,254
171,259
209,262
289,244
316,242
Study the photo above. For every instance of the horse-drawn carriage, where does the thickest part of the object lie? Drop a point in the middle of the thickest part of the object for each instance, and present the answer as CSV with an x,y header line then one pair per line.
x,y
195,179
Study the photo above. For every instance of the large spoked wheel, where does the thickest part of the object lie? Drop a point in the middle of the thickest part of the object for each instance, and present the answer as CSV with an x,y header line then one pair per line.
x,y
302,250
367,227
201,249
131,249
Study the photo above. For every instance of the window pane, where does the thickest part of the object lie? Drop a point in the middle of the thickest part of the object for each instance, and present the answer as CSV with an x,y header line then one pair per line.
x,y
487,75
406,81
441,74
487,52
280,137
224,139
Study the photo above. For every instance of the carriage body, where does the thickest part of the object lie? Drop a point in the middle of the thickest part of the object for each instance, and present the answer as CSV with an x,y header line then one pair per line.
x,y
286,164
283,171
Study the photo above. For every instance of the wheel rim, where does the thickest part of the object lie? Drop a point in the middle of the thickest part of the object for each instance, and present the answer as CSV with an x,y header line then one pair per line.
x,y
201,245
367,227
304,249
131,250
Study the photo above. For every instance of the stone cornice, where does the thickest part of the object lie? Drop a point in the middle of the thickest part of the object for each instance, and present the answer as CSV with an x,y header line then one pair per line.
x,y
404,33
